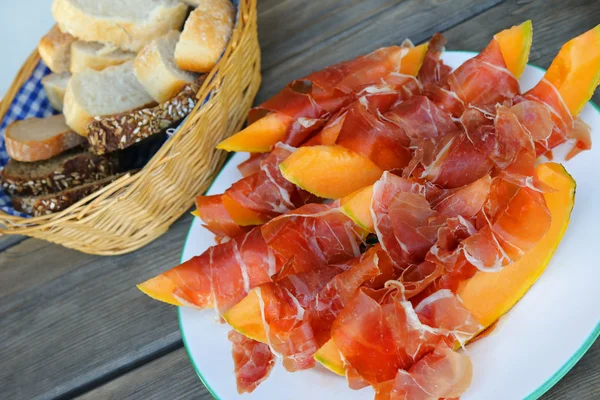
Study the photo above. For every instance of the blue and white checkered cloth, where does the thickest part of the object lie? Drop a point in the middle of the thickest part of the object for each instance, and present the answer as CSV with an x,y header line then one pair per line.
x,y
30,101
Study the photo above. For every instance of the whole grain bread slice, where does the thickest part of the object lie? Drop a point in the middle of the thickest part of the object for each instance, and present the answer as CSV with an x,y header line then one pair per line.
x,y
119,131
55,202
72,168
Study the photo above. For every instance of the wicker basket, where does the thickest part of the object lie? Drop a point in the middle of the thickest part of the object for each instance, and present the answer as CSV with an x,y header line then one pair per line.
x,y
134,210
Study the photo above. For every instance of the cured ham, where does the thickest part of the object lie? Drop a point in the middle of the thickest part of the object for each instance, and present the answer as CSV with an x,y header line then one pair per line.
x,y
311,99
442,373
265,194
253,361
433,69
313,236
379,333
299,309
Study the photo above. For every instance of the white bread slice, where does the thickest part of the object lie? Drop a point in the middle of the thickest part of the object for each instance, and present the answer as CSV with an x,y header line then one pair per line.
x,y
96,56
55,86
127,24
55,50
37,139
193,3
155,68
205,35
95,93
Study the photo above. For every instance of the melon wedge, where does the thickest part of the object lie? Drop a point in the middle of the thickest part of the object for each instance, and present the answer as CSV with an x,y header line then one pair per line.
x,y
489,295
330,172
515,44
241,215
245,317
160,288
357,206
575,71
264,133
260,136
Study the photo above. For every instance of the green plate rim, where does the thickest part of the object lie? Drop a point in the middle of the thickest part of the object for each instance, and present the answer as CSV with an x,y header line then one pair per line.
x,y
536,394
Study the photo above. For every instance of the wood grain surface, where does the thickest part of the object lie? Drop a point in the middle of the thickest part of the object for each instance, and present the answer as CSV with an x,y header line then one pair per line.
x,y
73,324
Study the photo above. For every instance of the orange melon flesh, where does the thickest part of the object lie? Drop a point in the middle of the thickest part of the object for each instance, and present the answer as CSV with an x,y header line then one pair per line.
x,y
575,71
263,134
241,215
489,295
357,206
160,288
515,44
412,61
260,136
245,317
330,172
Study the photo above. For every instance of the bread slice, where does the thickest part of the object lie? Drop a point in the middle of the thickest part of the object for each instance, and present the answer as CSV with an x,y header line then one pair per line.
x,y
95,93
96,56
72,168
205,35
114,132
36,139
55,50
55,86
155,68
127,24
55,202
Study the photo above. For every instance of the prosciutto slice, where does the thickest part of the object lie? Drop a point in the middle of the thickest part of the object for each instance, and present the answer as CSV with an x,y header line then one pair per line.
x,y
544,114
378,333
312,99
312,237
253,361
266,192
433,69
441,374
298,310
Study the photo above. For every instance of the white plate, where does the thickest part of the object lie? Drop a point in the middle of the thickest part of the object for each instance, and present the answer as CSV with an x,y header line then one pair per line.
x,y
534,346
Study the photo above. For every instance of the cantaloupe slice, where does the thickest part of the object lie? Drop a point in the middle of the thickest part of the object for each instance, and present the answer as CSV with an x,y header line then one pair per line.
x,y
160,288
357,206
263,134
515,44
245,317
241,215
330,172
575,71
260,136
489,295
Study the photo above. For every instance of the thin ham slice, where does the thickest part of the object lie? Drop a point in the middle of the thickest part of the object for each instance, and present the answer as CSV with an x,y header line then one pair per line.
x,y
543,112
433,69
312,99
441,374
215,218
312,237
252,360
298,310
378,334
484,80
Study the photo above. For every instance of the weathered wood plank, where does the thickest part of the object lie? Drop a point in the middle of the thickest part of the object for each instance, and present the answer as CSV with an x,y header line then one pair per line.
x,y
554,23
70,319
7,241
168,377
333,38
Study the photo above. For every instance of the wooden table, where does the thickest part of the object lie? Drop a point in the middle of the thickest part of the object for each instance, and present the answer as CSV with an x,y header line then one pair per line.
x,y
75,325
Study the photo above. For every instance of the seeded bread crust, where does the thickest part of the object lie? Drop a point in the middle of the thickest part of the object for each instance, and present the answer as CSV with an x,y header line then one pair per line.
x,y
114,132
73,168
55,202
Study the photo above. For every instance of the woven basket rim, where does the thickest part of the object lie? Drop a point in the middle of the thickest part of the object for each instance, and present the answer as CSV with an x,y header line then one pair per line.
x,y
127,184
